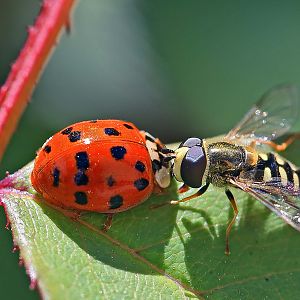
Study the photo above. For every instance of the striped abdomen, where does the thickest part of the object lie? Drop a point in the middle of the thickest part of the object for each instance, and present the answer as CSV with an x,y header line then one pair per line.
x,y
271,165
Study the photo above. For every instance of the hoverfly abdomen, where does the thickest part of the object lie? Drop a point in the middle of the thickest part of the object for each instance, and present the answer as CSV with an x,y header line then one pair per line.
x,y
272,167
266,168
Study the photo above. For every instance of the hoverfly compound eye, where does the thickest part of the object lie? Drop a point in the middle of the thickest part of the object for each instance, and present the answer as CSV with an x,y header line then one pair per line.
x,y
191,142
193,166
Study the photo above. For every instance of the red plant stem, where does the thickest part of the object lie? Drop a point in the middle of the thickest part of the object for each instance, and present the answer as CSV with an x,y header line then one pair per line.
x,y
25,72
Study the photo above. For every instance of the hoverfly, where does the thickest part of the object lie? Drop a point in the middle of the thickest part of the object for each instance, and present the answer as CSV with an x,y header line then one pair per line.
x,y
245,159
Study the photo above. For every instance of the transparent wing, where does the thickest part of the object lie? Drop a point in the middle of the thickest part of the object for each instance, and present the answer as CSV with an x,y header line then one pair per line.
x,y
282,200
271,117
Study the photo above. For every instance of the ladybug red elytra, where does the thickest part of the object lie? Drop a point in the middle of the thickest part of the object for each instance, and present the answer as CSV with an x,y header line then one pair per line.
x,y
105,166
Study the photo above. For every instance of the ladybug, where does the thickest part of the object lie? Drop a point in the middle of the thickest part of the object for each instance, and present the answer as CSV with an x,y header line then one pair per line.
x,y
104,166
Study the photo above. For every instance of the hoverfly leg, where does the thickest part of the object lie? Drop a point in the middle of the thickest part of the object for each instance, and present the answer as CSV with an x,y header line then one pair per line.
x,y
108,222
235,210
285,144
184,188
200,192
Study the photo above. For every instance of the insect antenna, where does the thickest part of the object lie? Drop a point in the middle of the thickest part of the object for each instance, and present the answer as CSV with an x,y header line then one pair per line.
x,y
168,158
166,151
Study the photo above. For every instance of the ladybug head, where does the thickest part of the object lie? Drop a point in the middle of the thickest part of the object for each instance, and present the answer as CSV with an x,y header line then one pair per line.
x,y
190,162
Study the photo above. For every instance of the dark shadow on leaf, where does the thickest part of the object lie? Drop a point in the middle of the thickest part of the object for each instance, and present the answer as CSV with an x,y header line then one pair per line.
x,y
257,252
202,214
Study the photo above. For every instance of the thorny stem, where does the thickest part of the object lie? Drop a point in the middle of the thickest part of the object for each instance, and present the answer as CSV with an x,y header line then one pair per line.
x,y
25,72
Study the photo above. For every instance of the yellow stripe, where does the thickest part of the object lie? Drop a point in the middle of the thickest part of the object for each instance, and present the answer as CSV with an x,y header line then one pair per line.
x,y
263,156
267,174
283,176
279,159
294,168
296,181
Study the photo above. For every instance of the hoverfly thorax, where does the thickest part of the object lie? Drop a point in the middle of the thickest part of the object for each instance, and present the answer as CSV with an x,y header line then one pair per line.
x,y
190,162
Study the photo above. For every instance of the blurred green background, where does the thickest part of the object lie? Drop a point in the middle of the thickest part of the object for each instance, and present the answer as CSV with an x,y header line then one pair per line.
x,y
174,68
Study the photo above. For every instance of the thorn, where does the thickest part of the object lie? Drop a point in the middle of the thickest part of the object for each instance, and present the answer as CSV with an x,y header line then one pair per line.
x,y
15,248
31,30
33,284
68,26
7,226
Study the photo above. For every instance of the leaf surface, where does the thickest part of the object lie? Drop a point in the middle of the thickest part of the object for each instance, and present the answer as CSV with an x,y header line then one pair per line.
x,y
171,252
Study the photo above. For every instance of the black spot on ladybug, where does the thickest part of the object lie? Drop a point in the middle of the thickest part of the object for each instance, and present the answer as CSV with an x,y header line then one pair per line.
x,y
110,181
128,126
111,131
140,166
141,184
93,121
81,198
81,178
156,165
67,130
82,160
55,174
74,136
118,152
47,149
115,202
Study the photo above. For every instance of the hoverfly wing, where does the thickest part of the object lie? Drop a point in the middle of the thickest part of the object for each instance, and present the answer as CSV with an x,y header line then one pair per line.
x,y
281,199
271,117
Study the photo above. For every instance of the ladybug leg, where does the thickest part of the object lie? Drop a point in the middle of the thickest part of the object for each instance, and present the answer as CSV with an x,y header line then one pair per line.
x,y
229,227
107,224
184,188
74,215
200,192
158,190
285,144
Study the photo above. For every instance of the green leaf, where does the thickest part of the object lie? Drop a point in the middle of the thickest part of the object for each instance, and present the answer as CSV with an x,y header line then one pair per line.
x,y
171,252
